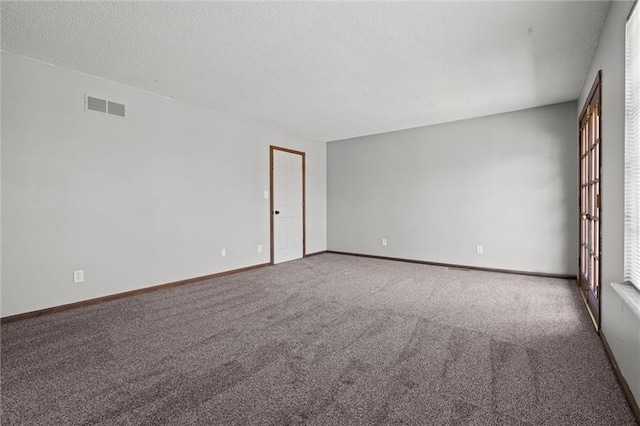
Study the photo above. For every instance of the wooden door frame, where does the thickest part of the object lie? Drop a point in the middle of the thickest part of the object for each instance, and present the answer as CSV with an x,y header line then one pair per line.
x,y
596,88
273,148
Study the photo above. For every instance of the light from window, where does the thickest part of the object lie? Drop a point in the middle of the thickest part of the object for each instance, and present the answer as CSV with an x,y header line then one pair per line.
x,y
632,151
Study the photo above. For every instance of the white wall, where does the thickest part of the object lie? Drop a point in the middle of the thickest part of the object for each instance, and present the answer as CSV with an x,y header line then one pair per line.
x,y
610,58
135,202
507,182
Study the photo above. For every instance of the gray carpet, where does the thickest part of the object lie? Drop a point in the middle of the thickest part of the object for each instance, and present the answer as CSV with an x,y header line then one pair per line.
x,y
325,340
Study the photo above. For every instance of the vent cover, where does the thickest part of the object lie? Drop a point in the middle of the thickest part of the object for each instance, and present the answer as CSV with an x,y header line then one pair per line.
x,y
115,108
95,104
104,106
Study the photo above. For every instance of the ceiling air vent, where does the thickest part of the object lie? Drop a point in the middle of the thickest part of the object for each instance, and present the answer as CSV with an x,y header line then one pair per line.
x,y
104,106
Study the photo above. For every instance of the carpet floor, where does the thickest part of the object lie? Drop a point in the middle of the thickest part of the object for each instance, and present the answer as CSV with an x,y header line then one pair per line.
x,y
326,340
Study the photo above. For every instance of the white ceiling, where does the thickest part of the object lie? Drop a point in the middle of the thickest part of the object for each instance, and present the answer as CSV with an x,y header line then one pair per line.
x,y
327,70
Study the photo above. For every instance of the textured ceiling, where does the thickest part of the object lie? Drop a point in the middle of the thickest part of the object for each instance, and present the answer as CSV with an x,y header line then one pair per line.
x,y
324,70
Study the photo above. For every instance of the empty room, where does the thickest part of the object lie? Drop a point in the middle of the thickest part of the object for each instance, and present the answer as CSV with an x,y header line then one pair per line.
x,y
320,213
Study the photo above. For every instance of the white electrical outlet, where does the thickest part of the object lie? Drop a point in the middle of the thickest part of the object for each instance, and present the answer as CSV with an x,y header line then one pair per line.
x,y
259,248
384,242
479,250
223,252
78,276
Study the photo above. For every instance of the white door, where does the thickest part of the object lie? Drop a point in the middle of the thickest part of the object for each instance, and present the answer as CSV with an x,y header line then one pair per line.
x,y
287,206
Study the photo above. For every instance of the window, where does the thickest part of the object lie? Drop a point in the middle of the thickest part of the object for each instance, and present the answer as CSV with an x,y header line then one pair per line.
x,y
632,151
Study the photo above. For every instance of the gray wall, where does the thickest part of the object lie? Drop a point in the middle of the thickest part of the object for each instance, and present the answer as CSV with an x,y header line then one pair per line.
x,y
134,202
1,208
506,182
610,58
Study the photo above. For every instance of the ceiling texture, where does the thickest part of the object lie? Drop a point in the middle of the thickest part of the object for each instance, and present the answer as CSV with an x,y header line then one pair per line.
x,y
325,70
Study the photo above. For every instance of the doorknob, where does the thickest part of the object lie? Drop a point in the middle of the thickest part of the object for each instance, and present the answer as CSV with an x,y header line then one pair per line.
x,y
276,212
585,216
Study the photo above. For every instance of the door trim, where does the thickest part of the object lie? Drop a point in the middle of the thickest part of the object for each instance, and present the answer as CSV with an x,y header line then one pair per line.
x,y
273,148
587,296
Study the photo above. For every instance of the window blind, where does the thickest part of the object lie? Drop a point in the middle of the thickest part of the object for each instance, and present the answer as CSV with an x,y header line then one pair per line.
x,y
632,151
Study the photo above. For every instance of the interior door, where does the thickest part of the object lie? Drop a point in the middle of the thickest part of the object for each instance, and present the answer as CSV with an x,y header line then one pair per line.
x,y
590,208
287,205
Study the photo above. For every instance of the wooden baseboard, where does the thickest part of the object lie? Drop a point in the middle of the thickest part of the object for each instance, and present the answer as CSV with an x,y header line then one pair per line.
x,y
103,299
633,404
315,253
451,265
